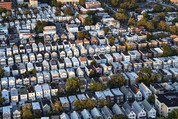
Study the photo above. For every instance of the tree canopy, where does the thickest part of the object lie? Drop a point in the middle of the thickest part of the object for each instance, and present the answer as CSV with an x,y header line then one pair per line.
x,y
88,20
167,51
72,85
26,12
147,76
68,11
26,111
83,34
96,86
1,72
117,80
158,8
122,17
114,2
173,114
57,107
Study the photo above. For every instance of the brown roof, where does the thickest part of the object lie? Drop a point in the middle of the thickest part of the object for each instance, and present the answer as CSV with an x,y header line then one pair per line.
x,y
82,58
134,88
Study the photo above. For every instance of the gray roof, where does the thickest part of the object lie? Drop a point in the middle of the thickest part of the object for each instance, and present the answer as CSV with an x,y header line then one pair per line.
x,y
146,105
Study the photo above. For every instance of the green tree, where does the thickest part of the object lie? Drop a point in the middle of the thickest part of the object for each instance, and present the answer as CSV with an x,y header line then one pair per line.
x,y
88,20
106,30
89,12
59,93
68,11
93,62
8,13
163,26
84,104
101,103
151,37
162,16
1,72
157,8
72,85
131,21
121,11
122,17
2,10
120,116
167,51
57,107
174,30
117,80
26,12
82,2
173,114
145,15
147,76
96,86
111,40
1,99
34,71
26,111
169,9
35,11
83,34
151,99
114,2
92,74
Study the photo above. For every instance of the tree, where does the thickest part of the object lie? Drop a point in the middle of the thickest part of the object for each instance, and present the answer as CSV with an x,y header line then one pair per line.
x,y
34,71
151,99
88,20
2,10
173,114
8,13
1,99
93,62
26,111
120,116
121,11
26,12
59,93
174,30
147,76
162,16
1,72
92,74
106,29
122,17
167,51
163,26
72,85
89,12
111,40
83,34
96,86
57,107
35,11
157,8
145,15
151,37
131,21
169,9
114,2
101,103
117,80
129,45
68,11
84,104
82,2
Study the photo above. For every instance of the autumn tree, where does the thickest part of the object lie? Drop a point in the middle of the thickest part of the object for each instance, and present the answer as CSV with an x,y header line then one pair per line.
x,y
169,9
93,62
34,71
117,80
145,15
84,104
106,29
158,8
26,12
82,2
114,2
8,13
167,51
96,86
72,85
122,17
111,40
35,11
147,76
57,107
1,72
162,16
68,11
131,21
88,20
1,99
83,34
92,74
26,111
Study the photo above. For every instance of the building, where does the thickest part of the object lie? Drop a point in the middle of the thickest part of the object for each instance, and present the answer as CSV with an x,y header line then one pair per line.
x,y
33,3
7,5
68,1
165,103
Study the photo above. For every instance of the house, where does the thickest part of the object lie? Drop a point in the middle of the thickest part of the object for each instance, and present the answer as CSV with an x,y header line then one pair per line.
x,y
137,65
174,72
136,92
139,111
83,61
23,94
72,99
156,88
80,72
64,116
14,95
117,110
65,103
54,75
81,96
45,104
75,62
165,74
174,61
54,88
61,64
107,113
4,82
38,92
63,73
116,66
11,82
68,62
109,58
127,93
117,57
31,93
86,114
167,63
146,92
100,95
126,65
147,63
128,111
16,112
46,91
15,70
75,115
5,95
46,76
118,95
156,52
165,103
96,113
109,96
36,106
145,54
134,55
6,112
53,64
40,78
70,73
150,110
132,77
